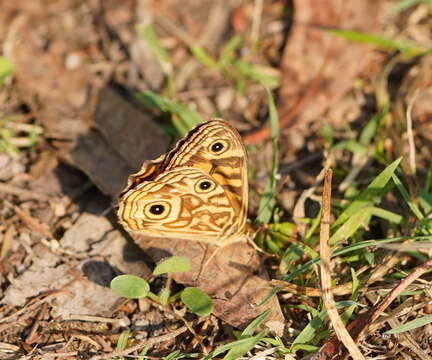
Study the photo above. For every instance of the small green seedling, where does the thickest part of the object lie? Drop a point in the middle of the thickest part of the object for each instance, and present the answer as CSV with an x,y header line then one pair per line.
x,y
130,286
197,301
134,287
172,265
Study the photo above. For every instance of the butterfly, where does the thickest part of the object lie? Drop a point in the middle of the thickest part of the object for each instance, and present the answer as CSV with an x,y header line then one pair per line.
x,y
197,191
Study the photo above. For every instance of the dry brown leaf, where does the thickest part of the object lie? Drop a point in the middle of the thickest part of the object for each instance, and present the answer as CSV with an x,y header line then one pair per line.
x,y
234,278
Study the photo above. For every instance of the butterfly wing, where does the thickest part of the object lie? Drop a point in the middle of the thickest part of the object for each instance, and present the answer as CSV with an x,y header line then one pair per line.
x,y
214,147
182,203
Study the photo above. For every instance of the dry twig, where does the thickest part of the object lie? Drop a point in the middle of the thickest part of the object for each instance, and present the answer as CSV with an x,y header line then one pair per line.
x,y
325,270
410,135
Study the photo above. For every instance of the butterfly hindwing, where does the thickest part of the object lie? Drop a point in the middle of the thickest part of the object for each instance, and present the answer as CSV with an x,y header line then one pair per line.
x,y
184,203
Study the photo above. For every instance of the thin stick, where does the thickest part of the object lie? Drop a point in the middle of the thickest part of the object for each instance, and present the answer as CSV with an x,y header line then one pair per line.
x,y
397,290
410,135
256,24
325,269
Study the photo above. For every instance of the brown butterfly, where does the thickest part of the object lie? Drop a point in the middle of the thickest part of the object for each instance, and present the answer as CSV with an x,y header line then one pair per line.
x,y
197,191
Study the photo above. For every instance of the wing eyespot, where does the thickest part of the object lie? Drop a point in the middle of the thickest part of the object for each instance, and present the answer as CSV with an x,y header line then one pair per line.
x,y
157,210
219,146
204,186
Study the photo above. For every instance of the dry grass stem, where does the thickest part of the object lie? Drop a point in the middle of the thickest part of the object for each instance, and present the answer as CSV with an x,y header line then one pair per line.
x,y
325,272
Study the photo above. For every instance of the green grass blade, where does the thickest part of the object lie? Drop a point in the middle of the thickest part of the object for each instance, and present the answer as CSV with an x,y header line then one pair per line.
x,y
310,330
354,222
143,353
428,184
386,215
369,131
353,146
416,211
380,41
240,347
189,118
267,203
148,34
425,201
254,72
354,297
153,100
250,329
270,294
411,325
404,5
228,52
183,118
350,248
203,57
367,197
123,340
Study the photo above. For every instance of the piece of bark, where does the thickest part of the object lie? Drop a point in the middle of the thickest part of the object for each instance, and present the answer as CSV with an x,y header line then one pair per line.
x,y
122,138
102,164
132,132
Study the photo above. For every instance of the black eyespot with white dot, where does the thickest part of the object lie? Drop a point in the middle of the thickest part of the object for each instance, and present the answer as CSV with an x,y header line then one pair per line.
x,y
157,210
219,146
204,186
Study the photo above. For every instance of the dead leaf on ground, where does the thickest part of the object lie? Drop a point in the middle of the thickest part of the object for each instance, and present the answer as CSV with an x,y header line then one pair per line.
x,y
235,277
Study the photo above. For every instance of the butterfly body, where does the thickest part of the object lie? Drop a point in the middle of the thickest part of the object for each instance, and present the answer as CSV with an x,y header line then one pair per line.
x,y
197,191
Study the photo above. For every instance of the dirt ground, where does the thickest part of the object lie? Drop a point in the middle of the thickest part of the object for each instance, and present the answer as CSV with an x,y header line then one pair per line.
x,y
73,127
